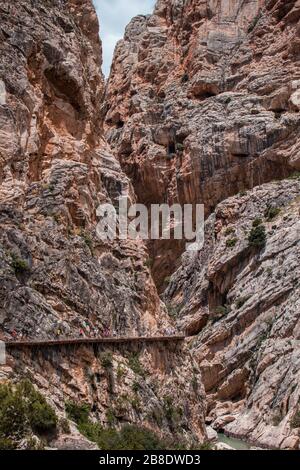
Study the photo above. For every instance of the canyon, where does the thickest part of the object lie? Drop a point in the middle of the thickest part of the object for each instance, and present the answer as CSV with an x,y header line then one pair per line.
x,y
201,106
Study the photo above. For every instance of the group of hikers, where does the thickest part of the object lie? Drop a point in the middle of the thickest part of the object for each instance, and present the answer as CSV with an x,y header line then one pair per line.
x,y
97,333
84,330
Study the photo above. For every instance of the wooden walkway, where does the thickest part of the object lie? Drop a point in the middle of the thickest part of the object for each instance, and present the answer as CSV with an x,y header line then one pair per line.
x,y
87,341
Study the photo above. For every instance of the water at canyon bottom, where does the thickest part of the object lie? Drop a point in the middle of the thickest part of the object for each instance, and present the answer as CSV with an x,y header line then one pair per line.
x,y
233,442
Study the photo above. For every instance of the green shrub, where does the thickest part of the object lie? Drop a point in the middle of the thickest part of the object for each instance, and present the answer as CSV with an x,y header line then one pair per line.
x,y
136,386
294,176
295,422
87,240
48,187
42,417
241,301
135,365
205,446
135,403
78,412
7,444
257,237
271,213
64,426
24,410
229,231
180,147
106,360
220,312
56,218
90,430
231,242
14,423
195,384
120,372
19,265
148,263
172,414
110,416
138,438
173,310
257,222
254,22
129,437
35,444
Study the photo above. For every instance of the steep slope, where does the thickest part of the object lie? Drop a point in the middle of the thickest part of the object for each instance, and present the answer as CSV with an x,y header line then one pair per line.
x,y
56,277
240,299
55,171
203,102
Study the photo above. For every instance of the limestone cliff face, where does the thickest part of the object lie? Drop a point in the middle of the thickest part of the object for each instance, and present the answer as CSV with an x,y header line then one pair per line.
x,y
56,276
203,102
202,105
241,304
56,169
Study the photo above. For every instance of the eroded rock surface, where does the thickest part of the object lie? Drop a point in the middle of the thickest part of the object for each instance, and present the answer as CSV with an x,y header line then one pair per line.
x,y
202,106
241,302
57,278
202,102
56,169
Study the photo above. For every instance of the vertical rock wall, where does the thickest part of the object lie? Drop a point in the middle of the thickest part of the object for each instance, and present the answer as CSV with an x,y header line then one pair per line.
x,y
56,277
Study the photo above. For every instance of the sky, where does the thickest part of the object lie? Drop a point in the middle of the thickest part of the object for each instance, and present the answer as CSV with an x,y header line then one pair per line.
x,y
114,15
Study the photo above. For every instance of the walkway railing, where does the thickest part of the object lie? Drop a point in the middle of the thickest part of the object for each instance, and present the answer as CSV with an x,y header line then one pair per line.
x,y
22,344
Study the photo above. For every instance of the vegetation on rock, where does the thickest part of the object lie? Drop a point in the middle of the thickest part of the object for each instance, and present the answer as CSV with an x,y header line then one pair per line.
x,y
77,412
271,213
231,242
257,237
295,423
128,436
18,264
23,411
135,365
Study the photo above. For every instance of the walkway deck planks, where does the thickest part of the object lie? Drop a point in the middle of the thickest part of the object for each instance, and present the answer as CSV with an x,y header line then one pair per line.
x,y
80,341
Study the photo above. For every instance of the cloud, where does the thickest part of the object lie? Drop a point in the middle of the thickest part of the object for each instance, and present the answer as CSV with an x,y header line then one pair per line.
x,y
114,15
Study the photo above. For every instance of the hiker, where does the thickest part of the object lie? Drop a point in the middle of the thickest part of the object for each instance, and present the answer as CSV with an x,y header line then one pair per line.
x,y
14,334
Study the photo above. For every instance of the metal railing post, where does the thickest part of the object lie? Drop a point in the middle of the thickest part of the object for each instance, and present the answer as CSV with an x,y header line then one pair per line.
x,y
2,353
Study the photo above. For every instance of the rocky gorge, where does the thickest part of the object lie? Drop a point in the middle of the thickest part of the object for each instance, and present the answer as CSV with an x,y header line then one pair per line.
x,y
201,106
